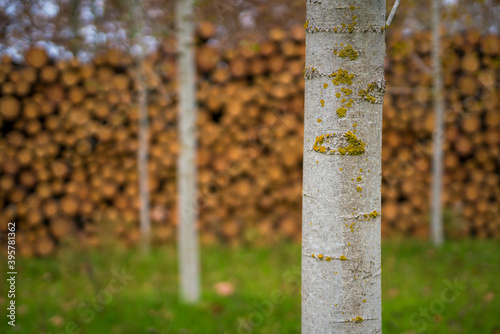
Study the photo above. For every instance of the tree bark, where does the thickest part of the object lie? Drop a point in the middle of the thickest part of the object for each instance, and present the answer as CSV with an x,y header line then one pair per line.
x,y
344,74
437,161
186,167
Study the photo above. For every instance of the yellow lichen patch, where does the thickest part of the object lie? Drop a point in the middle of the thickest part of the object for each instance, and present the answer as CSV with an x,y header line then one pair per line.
x,y
342,258
325,86
312,255
359,189
322,102
341,112
340,169
306,25
346,91
353,8
318,144
320,256
358,319
359,178
355,147
328,258
320,120
364,300
372,215
365,93
319,141
342,77
352,25
348,52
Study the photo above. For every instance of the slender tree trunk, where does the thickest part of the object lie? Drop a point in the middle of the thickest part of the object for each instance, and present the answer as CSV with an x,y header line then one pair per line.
x,y
344,74
186,167
142,155
75,25
437,162
143,136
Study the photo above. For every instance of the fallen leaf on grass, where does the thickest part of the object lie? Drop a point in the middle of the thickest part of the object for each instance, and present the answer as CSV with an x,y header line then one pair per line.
x,y
224,288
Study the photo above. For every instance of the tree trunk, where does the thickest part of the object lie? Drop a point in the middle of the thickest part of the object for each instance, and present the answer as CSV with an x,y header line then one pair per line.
x,y
143,136
437,161
345,50
143,150
186,167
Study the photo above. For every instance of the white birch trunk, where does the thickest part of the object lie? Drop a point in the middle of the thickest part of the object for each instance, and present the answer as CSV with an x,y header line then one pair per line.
x,y
437,161
186,167
143,152
344,74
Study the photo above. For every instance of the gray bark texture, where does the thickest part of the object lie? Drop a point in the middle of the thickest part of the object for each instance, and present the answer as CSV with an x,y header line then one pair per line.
x,y
186,167
344,87
437,161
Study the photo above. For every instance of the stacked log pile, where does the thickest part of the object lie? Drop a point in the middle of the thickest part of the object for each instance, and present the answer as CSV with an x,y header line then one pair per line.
x,y
69,141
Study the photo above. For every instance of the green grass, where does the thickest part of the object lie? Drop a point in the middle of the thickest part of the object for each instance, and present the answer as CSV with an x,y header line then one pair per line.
x,y
53,295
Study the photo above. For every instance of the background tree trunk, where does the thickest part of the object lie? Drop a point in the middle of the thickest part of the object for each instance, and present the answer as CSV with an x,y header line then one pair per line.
x,y
345,50
143,152
143,135
437,162
186,167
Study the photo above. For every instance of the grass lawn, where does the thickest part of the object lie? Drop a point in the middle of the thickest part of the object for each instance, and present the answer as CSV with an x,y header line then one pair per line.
x,y
119,291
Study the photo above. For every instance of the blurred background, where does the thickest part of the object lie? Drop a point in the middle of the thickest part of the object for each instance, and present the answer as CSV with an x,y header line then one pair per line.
x,y
72,73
